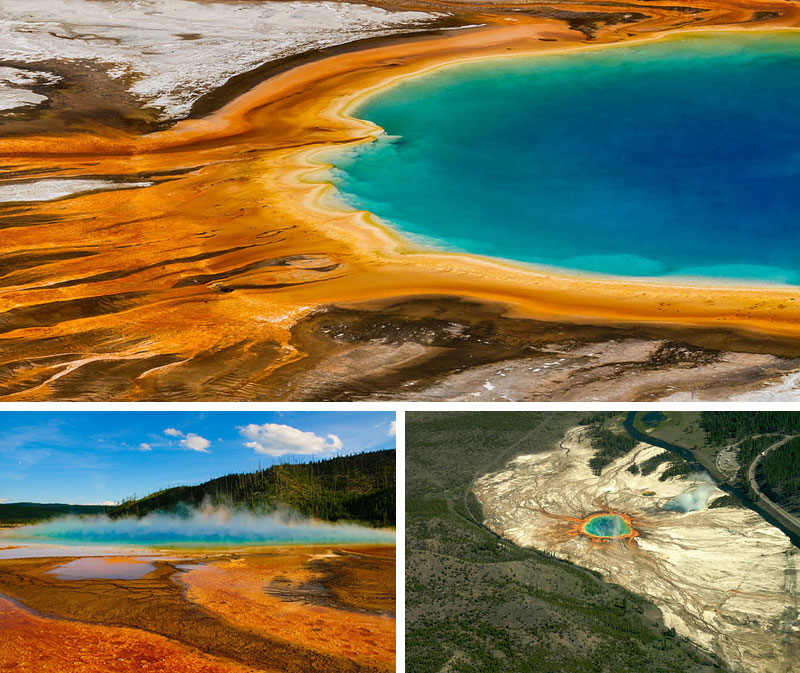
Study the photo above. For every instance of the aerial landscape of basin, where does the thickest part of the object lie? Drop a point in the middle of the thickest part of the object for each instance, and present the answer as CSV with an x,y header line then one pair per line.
x,y
286,563
603,541
399,199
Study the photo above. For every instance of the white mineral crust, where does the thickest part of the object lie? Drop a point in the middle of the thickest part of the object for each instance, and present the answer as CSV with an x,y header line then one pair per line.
x,y
46,190
173,51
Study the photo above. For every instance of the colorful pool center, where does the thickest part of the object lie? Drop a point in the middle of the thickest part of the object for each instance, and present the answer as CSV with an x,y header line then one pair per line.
x,y
607,526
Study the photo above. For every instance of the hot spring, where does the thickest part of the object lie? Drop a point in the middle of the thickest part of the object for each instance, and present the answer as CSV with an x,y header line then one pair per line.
x,y
205,526
607,526
676,157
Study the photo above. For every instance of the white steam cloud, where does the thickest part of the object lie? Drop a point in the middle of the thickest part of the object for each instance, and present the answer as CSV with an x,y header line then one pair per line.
x,y
274,439
695,499
206,525
393,429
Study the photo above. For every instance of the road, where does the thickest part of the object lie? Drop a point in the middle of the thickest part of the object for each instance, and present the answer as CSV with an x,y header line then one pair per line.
x,y
773,508
788,524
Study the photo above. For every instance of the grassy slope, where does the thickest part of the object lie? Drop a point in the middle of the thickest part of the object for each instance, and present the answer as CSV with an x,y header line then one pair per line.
x,y
478,604
352,488
677,427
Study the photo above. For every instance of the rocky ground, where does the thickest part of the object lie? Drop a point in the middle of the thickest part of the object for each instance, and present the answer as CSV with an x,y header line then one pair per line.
x,y
446,349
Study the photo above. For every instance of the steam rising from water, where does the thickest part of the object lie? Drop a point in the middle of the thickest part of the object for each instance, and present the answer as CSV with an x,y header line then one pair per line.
x,y
202,526
696,499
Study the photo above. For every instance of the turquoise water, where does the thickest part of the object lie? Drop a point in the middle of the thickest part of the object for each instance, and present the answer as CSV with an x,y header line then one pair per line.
x,y
675,158
214,526
607,525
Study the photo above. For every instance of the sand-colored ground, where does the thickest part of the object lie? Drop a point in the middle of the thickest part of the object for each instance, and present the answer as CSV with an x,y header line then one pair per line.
x,y
191,288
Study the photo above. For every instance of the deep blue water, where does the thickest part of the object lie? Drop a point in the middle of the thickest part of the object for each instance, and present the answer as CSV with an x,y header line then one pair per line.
x,y
679,157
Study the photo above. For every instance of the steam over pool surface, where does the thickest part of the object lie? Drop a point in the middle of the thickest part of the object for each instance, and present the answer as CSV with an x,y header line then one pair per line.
x,y
204,526
679,157
695,498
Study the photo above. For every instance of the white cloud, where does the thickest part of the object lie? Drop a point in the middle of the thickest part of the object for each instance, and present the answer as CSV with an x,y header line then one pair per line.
x,y
196,443
392,428
280,440
172,432
144,446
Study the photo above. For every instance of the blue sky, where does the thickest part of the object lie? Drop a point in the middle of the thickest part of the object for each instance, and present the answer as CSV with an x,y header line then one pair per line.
x,y
88,457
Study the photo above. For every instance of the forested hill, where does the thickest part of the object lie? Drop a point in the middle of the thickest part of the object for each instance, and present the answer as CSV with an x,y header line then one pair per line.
x,y
17,513
357,488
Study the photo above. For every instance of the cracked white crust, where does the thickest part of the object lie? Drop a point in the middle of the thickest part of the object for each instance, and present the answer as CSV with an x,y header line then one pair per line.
x,y
174,51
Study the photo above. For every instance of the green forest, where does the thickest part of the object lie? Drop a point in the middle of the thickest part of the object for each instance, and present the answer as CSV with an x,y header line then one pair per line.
x,y
16,513
608,446
723,426
357,488
678,467
748,449
779,472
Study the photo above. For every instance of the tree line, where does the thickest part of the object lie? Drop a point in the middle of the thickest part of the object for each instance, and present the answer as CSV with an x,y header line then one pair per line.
x,y
608,446
779,475
346,488
721,427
